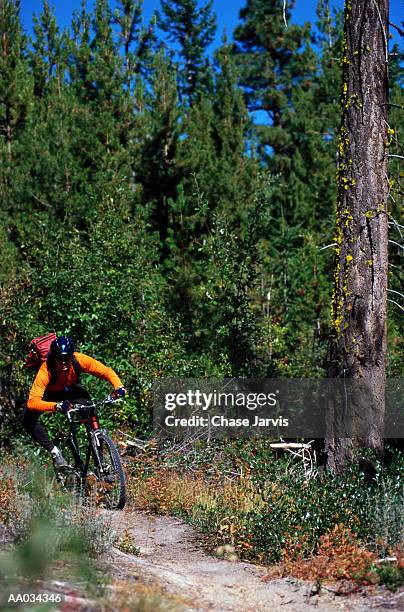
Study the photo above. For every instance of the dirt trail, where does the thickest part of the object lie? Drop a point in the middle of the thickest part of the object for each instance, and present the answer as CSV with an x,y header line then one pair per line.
x,y
172,557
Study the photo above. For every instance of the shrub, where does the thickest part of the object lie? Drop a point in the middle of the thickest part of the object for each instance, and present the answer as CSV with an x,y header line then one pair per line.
x,y
392,573
49,529
338,557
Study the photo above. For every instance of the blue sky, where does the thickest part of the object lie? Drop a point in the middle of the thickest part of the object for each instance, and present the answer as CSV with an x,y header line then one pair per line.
x,y
226,10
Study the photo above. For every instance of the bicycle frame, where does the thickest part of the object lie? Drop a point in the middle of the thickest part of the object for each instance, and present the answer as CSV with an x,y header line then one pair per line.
x,y
109,484
92,427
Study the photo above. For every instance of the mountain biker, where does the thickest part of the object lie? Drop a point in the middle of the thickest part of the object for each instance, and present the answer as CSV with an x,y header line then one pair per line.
x,y
56,386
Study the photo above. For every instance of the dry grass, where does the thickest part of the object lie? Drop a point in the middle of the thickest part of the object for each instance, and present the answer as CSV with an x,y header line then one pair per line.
x,y
191,496
166,490
124,597
9,508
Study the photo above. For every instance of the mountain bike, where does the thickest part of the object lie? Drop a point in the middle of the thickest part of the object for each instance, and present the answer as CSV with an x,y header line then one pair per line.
x,y
98,467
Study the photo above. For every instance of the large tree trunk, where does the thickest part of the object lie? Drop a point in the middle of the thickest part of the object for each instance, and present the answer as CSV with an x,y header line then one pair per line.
x,y
358,346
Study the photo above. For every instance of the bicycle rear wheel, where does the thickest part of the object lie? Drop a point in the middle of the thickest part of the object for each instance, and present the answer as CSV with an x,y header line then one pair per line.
x,y
111,476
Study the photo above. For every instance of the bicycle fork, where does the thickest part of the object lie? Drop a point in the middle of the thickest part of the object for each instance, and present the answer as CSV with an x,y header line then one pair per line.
x,y
74,447
91,451
97,450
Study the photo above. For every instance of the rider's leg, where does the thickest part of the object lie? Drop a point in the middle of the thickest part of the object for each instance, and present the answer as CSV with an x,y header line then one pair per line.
x,y
35,429
30,417
56,396
38,433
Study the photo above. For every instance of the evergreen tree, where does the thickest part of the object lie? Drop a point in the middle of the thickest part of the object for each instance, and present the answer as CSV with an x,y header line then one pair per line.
x,y
136,41
234,179
49,169
80,54
157,168
307,190
192,28
16,111
105,73
113,104
15,81
273,61
48,53
213,153
217,180
105,119
299,93
395,147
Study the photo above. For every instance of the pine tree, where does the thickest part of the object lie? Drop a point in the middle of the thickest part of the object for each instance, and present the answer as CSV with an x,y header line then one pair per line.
x,y
105,65
157,168
15,81
80,54
217,178
359,305
137,41
48,53
192,28
213,153
298,92
273,61
16,111
234,180
395,329
105,119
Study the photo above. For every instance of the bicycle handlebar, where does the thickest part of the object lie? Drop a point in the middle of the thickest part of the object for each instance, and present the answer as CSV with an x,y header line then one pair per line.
x,y
91,406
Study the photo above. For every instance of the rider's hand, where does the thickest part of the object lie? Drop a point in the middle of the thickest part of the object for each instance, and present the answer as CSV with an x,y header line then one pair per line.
x,y
63,407
120,392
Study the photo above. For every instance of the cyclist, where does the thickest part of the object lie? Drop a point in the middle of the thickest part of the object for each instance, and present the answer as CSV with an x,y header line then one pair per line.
x,y
56,386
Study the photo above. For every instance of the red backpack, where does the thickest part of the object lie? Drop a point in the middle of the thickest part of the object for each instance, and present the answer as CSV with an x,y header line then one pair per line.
x,y
38,351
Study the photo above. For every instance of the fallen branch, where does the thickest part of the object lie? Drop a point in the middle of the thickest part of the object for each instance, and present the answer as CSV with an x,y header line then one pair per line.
x,y
327,246
397,244
287,445
396,303
397,292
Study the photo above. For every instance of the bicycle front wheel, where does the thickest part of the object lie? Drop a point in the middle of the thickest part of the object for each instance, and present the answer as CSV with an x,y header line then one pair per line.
x,y
110,472
70,480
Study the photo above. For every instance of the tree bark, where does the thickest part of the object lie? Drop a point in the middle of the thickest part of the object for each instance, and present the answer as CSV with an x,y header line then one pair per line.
x,y
359,303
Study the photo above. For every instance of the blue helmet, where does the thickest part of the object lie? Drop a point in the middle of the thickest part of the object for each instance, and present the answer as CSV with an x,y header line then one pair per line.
x,y
62,348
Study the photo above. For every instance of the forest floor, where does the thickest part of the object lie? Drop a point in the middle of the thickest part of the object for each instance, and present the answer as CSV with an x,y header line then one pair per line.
x,y
171,557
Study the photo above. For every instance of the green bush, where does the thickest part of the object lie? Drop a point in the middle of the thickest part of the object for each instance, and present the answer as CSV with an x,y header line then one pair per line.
x,y
391,575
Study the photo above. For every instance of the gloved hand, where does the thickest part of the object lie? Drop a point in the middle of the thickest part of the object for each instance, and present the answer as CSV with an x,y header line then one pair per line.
x,y
63,407
120,392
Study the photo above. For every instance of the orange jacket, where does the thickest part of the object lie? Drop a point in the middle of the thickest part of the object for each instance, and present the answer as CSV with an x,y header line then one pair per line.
x,y
65,379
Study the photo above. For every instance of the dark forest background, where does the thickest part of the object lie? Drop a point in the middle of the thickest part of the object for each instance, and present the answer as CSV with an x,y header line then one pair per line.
x,y
152,213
